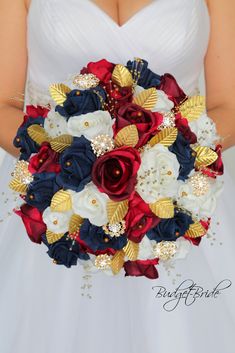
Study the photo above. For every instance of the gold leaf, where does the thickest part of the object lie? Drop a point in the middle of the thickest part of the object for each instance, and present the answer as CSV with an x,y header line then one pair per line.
x,y
18,186
61,201
195,230
165,137
60,143
163,208
146,99
53,237
75,223
128,136
117,261
122,76
59,92
38,134
116,211
193,107
205,156
131,250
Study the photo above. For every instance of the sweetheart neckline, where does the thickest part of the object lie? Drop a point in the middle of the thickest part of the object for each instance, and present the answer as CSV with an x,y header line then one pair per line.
x,y
126,23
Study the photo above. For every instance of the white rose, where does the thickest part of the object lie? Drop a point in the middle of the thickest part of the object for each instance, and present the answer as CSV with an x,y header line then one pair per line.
x,y
91,203
183,246
57,222
201,206
163,104
91,125
89,266
55,124
205,129
158,173
146,249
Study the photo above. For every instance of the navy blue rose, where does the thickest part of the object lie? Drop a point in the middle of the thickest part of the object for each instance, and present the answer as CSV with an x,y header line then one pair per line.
x,y
76,165
81,102
65,252
171,229
147,78
41,190
185,156
96,239
23,141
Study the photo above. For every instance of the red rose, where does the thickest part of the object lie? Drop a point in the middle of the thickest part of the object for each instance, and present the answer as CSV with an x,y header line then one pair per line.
x,y
115,172
46,160
34,112
217,168
146,121
139,219
117,96
32,219
102,69
183,127
141,268
171,88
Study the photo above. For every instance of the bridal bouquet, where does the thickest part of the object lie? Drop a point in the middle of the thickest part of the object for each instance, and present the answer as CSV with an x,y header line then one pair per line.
x,y
120,173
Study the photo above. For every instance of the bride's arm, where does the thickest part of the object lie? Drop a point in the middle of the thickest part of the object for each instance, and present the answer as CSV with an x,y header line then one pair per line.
x,y
220,69
13,64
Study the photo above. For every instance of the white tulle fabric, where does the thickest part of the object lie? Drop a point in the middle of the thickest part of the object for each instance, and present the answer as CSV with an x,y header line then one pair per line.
x,y
47,308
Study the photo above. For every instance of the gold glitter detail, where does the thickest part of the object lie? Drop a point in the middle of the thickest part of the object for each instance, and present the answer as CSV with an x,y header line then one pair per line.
x,y
184,194
102,144
168,121
86,81
21,173
116,229
200,184
103,261
165,250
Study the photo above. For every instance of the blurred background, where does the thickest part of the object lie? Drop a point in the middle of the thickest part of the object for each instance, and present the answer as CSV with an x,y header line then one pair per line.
x,y
229,155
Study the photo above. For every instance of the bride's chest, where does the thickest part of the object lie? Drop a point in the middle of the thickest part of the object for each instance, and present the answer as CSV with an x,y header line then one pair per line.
x,y
167,33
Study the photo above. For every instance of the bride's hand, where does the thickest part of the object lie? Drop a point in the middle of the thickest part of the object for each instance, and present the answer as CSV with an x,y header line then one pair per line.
x,y
13,66
220,69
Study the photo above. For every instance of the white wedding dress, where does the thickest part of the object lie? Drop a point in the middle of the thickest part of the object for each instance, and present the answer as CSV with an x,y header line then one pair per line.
x,y
46,308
